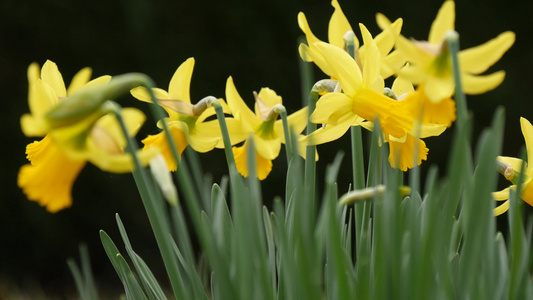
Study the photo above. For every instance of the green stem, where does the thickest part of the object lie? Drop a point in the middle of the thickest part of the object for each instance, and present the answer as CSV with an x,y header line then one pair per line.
x,y
158,219
286,131
452,39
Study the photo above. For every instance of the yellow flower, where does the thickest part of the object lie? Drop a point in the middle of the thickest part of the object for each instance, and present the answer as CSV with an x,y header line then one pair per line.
x,y
186,122
54,164
362,99
337,29
261,126
430,62
514,166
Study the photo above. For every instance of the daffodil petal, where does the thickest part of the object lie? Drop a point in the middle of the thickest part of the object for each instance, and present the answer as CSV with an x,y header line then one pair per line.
x,y
527,131
330,107
329,132
312,55
502,195
428,130
268,149
344,67
49,179
527,193
181,81
297,122
515,163
160,141
400,86
50,75
437,89
479,84
79,80
478,59
402,155
263,166
338,26
444,22
371,60
501,208
304,26
237,105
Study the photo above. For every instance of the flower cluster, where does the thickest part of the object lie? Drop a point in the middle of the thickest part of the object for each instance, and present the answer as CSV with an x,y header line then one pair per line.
x,y
78,127
406,114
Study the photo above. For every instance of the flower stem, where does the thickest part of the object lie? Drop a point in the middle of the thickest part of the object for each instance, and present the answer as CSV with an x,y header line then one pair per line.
x,y
158,219
452,39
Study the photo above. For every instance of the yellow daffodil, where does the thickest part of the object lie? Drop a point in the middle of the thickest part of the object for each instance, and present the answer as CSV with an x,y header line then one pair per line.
x,y
362,97
513,166
54,164
338,27
262,126
402,151
430,62
186,122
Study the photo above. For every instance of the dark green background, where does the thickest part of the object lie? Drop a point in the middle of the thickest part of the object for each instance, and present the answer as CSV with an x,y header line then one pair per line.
x,y
253,41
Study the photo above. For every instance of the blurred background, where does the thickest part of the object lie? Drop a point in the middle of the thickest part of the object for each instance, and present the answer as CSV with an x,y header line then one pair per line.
x,y
253,41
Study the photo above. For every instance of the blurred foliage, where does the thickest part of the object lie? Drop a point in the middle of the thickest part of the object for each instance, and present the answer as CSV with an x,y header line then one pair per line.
x,y
254,41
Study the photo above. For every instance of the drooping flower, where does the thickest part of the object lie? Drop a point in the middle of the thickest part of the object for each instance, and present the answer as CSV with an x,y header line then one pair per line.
x,y
337,29
262,126
56,161
362,98
186,122
513,166
430,62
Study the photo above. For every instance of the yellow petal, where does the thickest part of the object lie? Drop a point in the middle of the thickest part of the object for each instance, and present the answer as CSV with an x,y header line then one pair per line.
x,y
237,105
444,22
527,193
79,80
237,131
503,194
304,26
386,39
331,107
49,179
479,84
402,154
160,141
371,60
201,143
338,26
269,97
33,72
515,163
141,93
268,149
391,64
297,123
263,166
344,67
181,81
50,75
502,208
329,133
400,86
527,131
478,59
312,55
439,113
428,130
437,88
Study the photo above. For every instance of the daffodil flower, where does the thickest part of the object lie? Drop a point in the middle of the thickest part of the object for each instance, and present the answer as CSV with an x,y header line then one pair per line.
x,y
362,97
54,163
262,126
513,166
430,62
186,122
402,151
338,27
